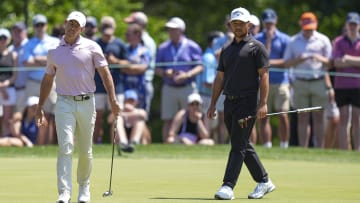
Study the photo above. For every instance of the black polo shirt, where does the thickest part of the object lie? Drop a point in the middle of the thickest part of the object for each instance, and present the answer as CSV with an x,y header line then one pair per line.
x,y
240,63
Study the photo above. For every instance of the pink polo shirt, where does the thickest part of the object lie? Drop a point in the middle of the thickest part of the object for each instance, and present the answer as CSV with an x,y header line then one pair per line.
x,y
342,46
74,66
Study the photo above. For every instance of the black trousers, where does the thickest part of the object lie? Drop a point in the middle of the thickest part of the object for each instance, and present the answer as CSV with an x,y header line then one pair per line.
x,y
241,149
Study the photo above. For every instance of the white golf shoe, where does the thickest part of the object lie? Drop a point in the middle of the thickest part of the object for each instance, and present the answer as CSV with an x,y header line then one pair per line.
x,y
262,189
225,193
84,193
64,197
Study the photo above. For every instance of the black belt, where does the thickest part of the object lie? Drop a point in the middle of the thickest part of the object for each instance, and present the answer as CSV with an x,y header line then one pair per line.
x,y
20,88
231,97
310,79
80,97
178,85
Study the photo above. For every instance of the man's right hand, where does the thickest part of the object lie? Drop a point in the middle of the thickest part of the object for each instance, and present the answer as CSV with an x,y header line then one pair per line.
x,y
40,117
211,112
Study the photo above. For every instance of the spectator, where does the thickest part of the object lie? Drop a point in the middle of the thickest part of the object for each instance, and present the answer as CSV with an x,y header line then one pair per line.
x,y
35,56
141,19
188,126
346,57
181,58
275,43
219,43
131,125
23,124
309,52
205,81
20,38
254,25
90,28
139,57
116,54
8,76
58,31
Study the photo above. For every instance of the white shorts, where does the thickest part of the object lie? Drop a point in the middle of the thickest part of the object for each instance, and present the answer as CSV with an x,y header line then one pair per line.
x,y
11,100
102,101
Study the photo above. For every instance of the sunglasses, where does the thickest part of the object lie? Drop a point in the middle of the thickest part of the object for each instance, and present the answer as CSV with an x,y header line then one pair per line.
x,y
40,25
194,104
2,37
89,25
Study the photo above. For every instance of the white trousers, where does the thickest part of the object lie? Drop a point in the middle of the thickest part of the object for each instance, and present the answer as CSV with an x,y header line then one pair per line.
x,y
74,120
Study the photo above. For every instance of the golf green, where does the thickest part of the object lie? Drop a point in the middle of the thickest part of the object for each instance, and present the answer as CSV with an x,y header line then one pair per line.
x,y
172,177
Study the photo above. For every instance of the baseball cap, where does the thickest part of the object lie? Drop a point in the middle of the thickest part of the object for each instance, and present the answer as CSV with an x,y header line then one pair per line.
x,y
176,23
33,100
108,25
19,25
131,94
91,20
308,21
269,16
78,17
353,17
254,20
194,97
240,14
137,17
39,18
5,32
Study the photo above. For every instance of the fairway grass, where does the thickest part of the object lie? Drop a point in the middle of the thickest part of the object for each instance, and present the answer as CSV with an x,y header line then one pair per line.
x,y
171,174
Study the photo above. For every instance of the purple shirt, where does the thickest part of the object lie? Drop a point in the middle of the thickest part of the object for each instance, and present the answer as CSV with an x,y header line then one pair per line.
x,y
342,46
74,66
186,51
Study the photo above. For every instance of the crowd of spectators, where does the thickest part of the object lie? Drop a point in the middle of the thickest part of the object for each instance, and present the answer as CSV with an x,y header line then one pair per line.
x,y
299,78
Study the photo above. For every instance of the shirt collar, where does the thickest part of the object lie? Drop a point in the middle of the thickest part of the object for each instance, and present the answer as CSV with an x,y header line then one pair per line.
x,y
63,42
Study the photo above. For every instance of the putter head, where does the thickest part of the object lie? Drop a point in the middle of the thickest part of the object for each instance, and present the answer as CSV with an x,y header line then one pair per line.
x,y
107,193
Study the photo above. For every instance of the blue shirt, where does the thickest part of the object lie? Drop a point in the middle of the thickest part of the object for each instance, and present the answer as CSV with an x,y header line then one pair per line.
x,y
118,48
22,73
186,51
208,75
278,46
138,55
38,47
30,130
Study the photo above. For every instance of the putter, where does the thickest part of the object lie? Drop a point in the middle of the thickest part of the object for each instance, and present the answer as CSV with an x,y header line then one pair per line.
x,y
109,192
316,108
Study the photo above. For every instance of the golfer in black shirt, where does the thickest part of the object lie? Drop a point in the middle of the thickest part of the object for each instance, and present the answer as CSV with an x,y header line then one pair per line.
x,y
242,73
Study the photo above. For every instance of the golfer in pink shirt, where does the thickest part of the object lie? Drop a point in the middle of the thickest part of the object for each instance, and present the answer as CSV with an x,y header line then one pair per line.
x,y
74,63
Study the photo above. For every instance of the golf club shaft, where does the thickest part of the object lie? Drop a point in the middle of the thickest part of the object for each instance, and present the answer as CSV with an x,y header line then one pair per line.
x,y
112,155
303,110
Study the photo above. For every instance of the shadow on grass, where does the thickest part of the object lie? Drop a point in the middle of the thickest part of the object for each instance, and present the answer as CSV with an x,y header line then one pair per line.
x,y
186,198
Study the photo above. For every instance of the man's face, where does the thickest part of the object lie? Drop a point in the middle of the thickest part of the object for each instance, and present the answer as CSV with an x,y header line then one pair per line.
x,y
72,28
352,28
239,28
40,29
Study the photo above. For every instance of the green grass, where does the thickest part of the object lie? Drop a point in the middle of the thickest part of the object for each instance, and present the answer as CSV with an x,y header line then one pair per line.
x,y
173,173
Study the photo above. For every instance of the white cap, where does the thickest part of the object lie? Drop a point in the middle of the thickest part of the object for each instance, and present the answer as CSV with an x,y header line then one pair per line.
x,y
78,16
5,32
254,20
176,23
240,14
194,97
33,100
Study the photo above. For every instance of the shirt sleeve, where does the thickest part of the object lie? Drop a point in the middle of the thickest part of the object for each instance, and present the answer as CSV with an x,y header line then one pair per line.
x,y
50,67
98,56
262,57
